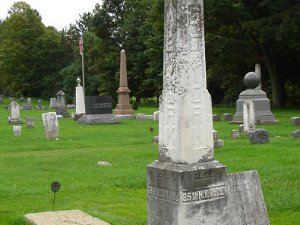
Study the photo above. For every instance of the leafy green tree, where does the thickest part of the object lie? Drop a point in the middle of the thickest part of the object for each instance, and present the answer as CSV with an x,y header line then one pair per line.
x,y
31,54
257,31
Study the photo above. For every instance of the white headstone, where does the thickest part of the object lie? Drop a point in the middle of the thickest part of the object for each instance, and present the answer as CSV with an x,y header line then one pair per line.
x,y
14,112
50,125
17,131
185,119
248,116
80,103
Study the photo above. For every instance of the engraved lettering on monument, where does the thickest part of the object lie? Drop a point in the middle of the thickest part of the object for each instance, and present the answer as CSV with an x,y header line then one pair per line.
x,y
98,105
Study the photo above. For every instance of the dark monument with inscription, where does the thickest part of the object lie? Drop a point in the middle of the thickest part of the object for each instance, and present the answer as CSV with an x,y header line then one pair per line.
x,y
98,105
186,186
98,110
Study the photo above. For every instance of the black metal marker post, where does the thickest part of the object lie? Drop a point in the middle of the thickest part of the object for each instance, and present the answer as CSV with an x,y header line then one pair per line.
x,y
55,187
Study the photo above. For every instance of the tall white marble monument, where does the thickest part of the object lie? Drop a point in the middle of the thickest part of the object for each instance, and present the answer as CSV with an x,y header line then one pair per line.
x,y
186,186
185,126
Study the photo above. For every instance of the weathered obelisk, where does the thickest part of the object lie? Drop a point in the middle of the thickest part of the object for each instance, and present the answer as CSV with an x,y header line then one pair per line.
x,y
186,186
123,106
186,170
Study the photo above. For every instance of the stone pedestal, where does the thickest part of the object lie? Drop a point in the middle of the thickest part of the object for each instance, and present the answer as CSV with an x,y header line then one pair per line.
x,y
259,98
186,194
203,194
123,106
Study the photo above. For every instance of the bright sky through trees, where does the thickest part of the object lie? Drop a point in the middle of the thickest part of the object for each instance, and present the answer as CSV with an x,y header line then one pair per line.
x,y
57,13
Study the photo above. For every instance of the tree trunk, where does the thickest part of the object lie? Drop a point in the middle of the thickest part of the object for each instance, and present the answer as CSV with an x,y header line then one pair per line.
x,y
277,79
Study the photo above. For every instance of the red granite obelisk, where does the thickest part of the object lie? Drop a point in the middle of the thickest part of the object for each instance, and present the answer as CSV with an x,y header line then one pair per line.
x,y
123,106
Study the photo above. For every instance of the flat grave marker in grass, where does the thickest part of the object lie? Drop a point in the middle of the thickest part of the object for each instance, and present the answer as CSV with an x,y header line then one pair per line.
x,y
68,217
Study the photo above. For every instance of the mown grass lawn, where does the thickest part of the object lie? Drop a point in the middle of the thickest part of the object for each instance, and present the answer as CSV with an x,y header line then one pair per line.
x,y
117,193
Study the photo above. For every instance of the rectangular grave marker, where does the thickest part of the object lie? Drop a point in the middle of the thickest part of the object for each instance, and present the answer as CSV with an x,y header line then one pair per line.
x,y
50,125
98,105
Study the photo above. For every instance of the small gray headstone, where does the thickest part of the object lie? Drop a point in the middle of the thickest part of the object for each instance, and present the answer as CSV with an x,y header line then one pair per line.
x,y
27,105
235,134
215,135
39,106
227,117
17,130
53,103
259,136
296,134
216,117
30,122
1,98
295,121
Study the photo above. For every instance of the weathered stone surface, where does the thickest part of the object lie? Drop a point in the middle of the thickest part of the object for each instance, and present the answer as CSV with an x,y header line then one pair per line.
x,y
185,119
296,134
245,200
98,119
69,217
295,121
228,117
61,105
39,106
1,98
14,117
203,194
186,194
216,117
50,125
259,136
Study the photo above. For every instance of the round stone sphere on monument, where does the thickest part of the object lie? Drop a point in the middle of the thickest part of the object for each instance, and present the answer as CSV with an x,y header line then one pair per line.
x,y
251,80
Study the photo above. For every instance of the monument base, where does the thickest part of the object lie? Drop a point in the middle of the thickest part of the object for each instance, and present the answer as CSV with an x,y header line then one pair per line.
x,y
98,119
263,114
203,194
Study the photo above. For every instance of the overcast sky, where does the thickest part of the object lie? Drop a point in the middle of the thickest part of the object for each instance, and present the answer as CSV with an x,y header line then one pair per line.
x,y
57,13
